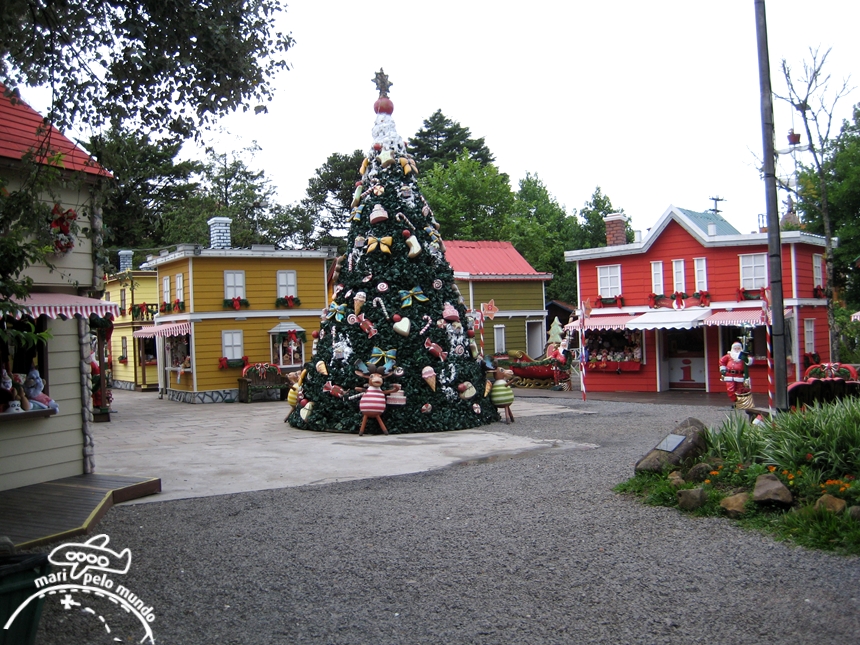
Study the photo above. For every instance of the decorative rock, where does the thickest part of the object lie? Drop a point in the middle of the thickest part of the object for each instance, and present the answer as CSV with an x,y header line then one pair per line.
x,y
830,503
768,489
689,449
854,513
699,472
675,478
689,499
735,505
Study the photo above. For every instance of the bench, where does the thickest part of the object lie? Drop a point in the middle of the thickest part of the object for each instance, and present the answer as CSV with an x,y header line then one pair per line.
x,y
822,383
262,377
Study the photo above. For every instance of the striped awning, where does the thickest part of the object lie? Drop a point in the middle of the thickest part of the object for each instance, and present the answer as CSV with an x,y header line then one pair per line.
x,y
173,329
669,319
612,321
62,305
740,317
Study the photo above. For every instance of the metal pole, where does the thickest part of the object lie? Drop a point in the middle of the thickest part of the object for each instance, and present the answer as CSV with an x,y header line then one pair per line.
x,y
774,245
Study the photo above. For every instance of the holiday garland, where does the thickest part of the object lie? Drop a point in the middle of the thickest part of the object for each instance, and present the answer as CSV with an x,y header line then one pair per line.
x,y
62,229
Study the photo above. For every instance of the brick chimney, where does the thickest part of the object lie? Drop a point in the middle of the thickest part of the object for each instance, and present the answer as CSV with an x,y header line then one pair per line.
x,y
616,229
125,261
219,233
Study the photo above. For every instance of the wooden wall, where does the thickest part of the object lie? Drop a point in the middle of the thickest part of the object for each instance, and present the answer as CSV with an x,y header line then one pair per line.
x,y
37,450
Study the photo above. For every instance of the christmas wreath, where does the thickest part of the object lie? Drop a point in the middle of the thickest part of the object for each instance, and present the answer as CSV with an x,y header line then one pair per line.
x,y
61,229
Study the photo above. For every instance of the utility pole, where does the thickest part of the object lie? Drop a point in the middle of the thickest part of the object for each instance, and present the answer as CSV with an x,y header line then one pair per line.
x,y
774,243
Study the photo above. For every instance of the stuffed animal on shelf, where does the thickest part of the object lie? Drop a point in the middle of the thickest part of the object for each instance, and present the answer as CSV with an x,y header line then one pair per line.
x,y
33,386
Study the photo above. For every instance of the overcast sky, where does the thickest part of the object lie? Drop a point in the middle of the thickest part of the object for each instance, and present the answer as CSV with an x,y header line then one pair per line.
x,y
656,102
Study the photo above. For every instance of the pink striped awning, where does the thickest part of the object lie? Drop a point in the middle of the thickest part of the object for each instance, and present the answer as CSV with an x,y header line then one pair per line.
x,y
173,329
54,305
612,321
740,317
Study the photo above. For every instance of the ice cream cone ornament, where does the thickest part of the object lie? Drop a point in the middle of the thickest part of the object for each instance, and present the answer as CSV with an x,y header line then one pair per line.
x,y
398,307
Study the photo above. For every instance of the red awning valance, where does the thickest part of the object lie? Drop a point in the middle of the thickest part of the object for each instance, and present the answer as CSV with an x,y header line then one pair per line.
x,y
173,329
54,305
740,317
616,321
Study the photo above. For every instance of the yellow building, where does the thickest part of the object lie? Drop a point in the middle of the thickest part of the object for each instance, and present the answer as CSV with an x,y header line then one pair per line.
x,y
132,360
221,308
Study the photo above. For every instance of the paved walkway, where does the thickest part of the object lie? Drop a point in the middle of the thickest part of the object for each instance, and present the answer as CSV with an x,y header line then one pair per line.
x,y
201,450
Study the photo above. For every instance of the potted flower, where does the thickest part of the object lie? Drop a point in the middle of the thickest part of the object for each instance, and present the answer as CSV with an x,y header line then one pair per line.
x,y
123,359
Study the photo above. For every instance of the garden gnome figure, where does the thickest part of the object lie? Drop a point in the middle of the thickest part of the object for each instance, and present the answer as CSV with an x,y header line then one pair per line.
x,y
733,371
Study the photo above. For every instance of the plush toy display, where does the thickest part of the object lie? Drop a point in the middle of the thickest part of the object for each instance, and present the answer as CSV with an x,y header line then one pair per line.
x,y
33,386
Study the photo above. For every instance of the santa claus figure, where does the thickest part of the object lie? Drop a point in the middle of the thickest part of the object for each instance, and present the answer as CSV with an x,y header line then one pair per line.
x,y
733,371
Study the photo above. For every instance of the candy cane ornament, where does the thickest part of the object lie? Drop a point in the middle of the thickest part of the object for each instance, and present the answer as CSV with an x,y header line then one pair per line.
x,y
382,305
427,326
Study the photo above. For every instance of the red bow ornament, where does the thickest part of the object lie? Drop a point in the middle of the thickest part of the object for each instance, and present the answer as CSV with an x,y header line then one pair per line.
x,y
237,303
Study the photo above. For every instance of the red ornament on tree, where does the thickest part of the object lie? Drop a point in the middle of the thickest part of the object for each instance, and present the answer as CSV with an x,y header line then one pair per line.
x,y
383,105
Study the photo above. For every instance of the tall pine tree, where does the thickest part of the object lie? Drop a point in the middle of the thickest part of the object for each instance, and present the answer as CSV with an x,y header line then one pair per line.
x,y
396,349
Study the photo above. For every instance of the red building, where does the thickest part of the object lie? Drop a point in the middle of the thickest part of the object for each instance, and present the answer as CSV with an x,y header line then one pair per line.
x,y
659,313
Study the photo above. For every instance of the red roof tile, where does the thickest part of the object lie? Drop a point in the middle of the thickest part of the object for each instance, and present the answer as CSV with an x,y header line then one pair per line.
x,y
490,261
23,129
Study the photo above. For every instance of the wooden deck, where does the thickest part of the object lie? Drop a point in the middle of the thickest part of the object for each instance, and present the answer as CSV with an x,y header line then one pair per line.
x,y
63,508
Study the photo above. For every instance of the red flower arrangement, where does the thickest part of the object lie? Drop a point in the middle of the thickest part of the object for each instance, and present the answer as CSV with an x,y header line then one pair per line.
x,y
61,229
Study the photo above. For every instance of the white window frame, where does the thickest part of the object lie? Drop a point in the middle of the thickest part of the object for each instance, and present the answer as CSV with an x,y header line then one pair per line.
x,y
657,277
817,272
165,289
287,285
809,335
609,280
700,268
753,270
499,344
232,343
234,284
180,286
679,281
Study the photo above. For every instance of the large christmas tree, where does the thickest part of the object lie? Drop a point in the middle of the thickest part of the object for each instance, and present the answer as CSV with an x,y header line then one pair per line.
x,y
396,349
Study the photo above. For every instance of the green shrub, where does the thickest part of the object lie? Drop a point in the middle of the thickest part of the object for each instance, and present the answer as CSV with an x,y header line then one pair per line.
x,y
812,452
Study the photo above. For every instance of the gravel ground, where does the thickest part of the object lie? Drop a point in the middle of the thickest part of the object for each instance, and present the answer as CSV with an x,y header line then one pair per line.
x,y
532,550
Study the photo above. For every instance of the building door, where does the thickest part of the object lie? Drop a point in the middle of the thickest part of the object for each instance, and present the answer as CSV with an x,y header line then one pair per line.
x,y
535,338
684,352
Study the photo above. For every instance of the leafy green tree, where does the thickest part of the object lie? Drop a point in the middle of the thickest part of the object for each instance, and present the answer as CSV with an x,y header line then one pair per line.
x,y
593,228
441,141
329,195
541,230
810,93
228,188
841,173
470,200
165,66
147,182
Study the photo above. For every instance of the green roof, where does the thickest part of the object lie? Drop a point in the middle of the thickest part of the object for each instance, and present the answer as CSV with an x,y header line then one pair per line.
x,y
701,220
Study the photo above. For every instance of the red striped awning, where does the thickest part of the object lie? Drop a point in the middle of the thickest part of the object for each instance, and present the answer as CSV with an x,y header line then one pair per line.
x,y
56,305
740,317
173,329
613,321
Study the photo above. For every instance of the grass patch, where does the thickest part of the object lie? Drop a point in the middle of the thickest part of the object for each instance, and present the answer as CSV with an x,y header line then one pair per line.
x,y
813,452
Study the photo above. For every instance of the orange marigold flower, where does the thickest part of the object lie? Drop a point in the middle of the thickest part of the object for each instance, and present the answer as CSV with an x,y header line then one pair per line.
x,y
842,489
707,481
771,468
784,472
791,475
714,472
